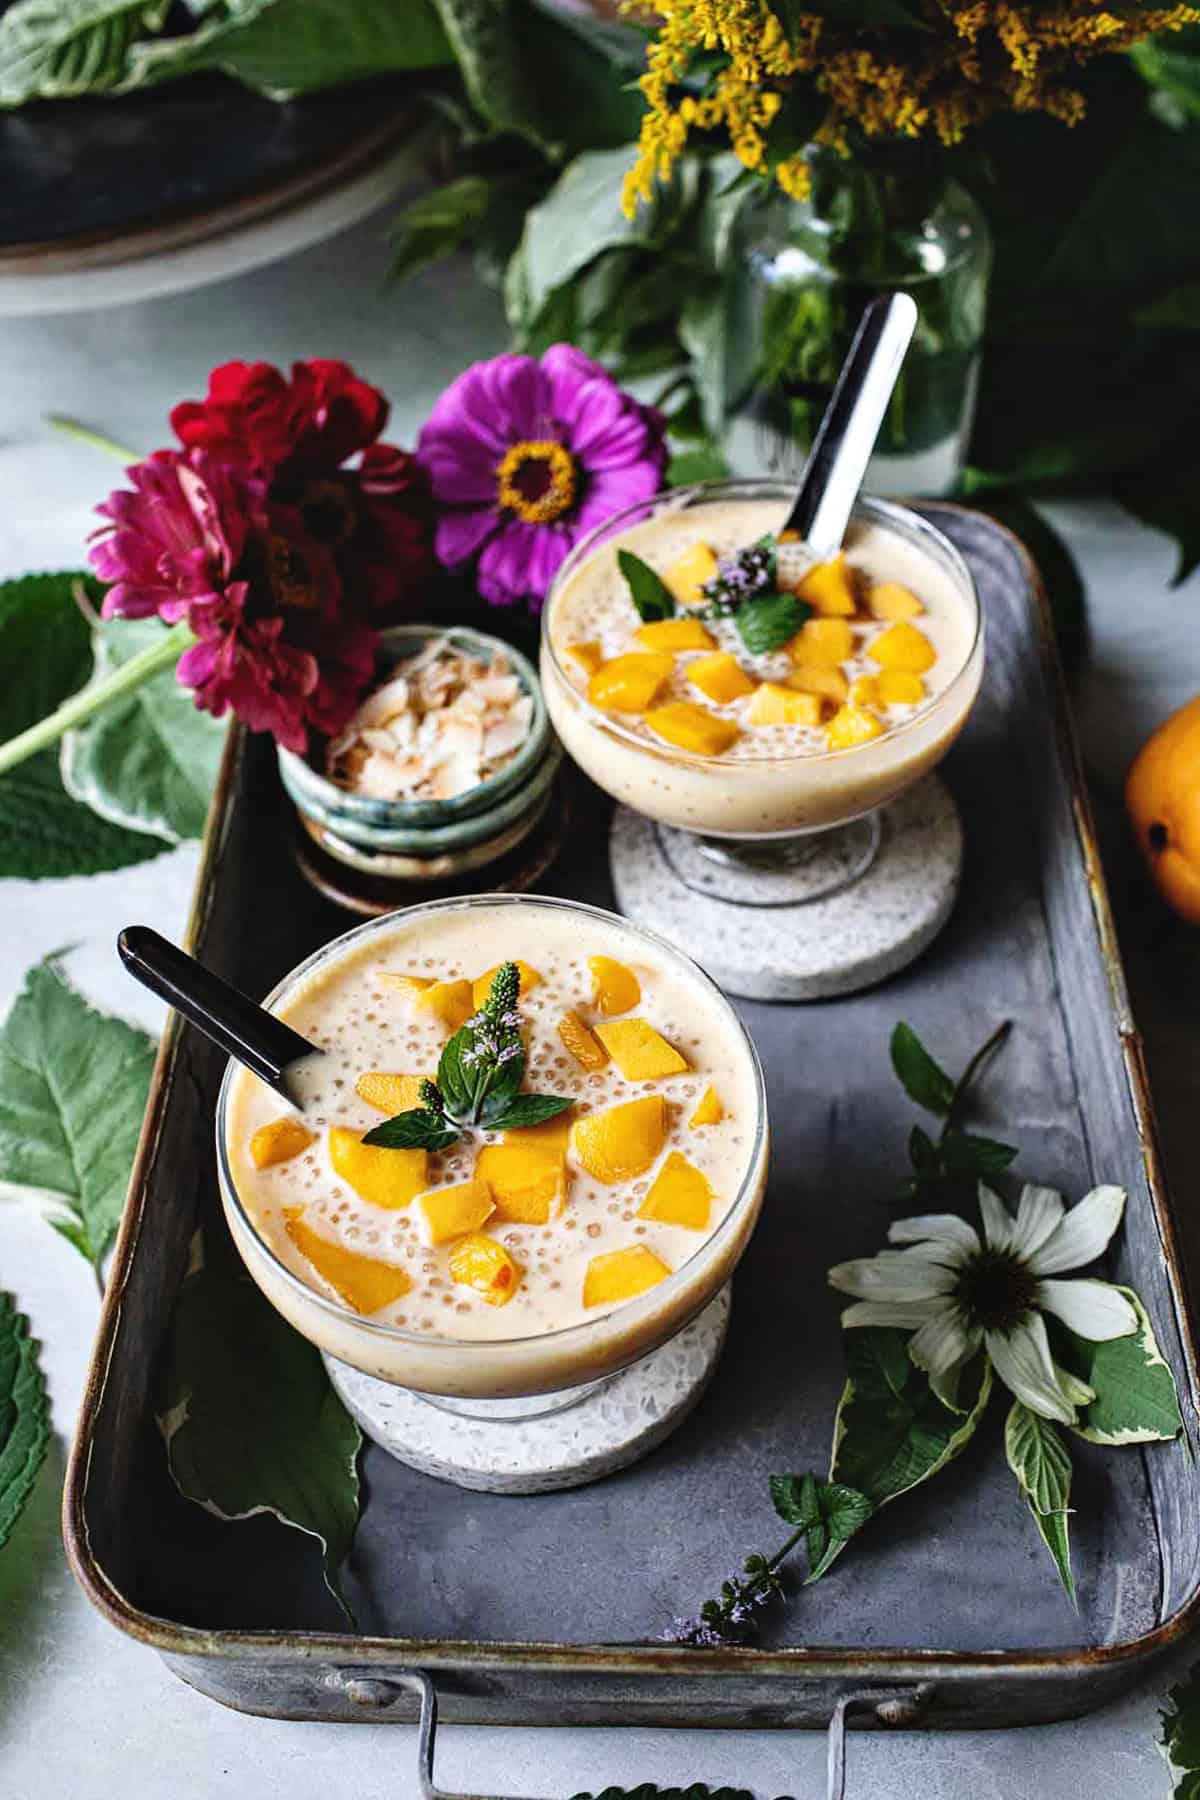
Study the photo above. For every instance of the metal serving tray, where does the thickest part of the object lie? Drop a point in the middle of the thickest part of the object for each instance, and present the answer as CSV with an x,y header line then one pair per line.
x,y
544,1610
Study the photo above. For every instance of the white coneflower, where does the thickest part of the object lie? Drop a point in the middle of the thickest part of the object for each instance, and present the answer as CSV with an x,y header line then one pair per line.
x,y
958,1294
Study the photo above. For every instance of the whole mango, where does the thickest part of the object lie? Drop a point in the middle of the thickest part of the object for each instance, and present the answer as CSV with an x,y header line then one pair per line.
x,y
1162,796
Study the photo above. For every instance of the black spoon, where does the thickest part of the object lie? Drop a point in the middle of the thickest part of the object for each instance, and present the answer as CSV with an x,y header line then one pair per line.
x,y
255,1038
846,435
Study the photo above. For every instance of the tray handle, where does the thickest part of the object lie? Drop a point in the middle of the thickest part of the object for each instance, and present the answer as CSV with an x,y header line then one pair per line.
x,y
890,1706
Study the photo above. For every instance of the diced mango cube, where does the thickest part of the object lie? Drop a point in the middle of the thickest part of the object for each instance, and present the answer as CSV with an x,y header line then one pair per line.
x,y
692,727
527,977
720,677
485,1266
902,646
864,690
528,1181
680,1195
630,683
555,1132
450,1001
640,1052
450,1212
815,678
775,705
687,574
674,634
363,1283
412,985
852,725
622,1274
589,656
831,588
278,1142
390,1093
709,1111
388,1178
615,988
888,600
826,642
583,1044
898,688
622,1141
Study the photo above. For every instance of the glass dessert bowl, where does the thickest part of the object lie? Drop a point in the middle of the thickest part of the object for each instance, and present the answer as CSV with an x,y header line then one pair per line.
x,y
761,753
509,1263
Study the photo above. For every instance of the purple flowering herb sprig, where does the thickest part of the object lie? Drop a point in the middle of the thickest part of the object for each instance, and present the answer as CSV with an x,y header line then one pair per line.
x,y
745,589
479,1076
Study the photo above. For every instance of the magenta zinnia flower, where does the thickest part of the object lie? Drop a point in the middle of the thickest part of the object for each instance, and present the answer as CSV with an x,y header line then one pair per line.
x,y
526,457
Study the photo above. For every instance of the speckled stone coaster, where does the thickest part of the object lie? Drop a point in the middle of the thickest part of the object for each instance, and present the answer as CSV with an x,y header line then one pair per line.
x,y
766,949
620,1421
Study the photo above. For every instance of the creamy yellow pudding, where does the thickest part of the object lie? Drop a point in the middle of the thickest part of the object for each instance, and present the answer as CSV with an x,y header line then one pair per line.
x,y
685,723
516,1260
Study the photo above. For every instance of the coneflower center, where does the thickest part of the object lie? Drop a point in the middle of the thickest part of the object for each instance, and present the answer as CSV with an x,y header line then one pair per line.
x,y
995,1290
536,480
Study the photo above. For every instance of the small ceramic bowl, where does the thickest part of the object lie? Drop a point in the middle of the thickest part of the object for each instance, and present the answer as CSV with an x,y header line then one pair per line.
x,y
424,835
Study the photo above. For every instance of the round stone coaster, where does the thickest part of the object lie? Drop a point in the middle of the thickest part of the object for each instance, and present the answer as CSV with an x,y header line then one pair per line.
x,y
765,946
615,1424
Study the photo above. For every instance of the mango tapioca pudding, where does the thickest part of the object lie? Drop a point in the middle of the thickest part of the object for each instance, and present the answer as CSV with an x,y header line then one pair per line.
x,y
533,1148
702,669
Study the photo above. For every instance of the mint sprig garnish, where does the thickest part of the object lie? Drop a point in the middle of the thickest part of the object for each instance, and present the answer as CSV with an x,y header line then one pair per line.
x,y
768,622
478,1080
648,591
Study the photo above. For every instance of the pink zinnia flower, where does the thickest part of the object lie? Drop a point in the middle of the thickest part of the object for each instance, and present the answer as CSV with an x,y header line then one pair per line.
x,y
176,539
526,457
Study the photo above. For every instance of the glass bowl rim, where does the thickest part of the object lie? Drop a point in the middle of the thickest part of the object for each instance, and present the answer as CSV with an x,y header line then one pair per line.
x,y
396,814
567,1334
888,512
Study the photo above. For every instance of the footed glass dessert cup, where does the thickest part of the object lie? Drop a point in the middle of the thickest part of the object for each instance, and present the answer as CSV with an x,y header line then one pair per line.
x,y
776,817
506,1374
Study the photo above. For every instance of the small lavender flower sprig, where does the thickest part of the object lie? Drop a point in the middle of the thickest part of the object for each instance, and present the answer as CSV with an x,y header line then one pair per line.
x,y
748,574
727,1622
479,1077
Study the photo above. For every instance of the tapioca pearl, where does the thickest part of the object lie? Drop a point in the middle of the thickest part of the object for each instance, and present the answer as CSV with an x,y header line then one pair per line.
x,y
427,1323
370,1237
352,1233
435,1281
447,1299
594,1230
460,1306
400,1318
427,1268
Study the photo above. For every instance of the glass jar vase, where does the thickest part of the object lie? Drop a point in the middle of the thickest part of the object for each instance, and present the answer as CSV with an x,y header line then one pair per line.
x,y
886,218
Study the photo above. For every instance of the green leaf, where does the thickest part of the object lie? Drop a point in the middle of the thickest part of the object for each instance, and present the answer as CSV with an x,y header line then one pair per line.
x,y
24,1416
1136,228
149,762
767,623
250,1420
439,223
419,1129
73,1088
526,1109
1170,64
700,462
55,49
1136,1400
965,1154
1038,1456
921,1078
453,1079
1180,1741
493,65
43,832
892,1432
577,69
648,591
922,1152
283,48
828,1513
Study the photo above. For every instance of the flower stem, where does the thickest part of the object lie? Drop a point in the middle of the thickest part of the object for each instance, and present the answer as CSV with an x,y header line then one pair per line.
x,y
96,696
85,435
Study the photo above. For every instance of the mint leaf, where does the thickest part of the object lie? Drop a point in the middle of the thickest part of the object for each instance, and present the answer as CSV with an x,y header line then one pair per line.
x,y
420,1129
828,1513
649,593
767,623
24,1416
921,1078
73,1088
892,1432
1136,1400
148,762
526,1109
1180,1741
251,1422
965,1154
1038,1456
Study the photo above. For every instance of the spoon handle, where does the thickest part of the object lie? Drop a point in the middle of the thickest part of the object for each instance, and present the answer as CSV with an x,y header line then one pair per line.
x,y
846,435
252,1036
